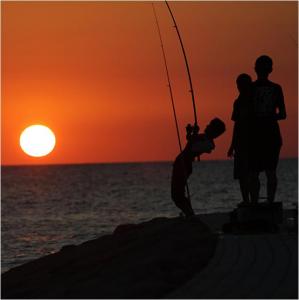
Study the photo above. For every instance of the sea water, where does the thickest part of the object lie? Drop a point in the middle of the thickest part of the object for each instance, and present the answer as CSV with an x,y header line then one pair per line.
x,y
46,207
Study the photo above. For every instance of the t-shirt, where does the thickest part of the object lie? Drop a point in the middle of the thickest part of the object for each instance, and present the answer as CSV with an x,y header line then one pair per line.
x,y
182,166
267,97
202,145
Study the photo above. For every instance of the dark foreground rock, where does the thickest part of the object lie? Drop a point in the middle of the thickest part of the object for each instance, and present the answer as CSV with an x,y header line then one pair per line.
x,y
147,260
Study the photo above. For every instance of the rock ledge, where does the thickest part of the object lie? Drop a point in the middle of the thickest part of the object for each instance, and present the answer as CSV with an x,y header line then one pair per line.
x,y
146,260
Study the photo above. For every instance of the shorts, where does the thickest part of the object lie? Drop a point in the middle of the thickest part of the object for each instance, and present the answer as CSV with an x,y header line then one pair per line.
x,y
265,160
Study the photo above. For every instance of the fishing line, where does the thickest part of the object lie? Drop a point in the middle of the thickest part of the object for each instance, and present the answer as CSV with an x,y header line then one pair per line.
x,y
170,88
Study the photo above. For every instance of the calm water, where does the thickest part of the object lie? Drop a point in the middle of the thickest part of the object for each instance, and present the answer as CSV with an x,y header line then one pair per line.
x,y
46,207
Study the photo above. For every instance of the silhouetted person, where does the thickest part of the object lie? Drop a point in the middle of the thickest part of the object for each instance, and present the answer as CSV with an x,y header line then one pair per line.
x,y
269,107
240,146
182,168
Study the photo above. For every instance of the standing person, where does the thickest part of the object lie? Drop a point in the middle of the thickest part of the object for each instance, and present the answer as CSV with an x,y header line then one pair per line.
x,y
269,107
241,138
182,168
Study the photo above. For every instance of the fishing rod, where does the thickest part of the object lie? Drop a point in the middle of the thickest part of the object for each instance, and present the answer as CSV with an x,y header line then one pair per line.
x,y
170,89
186,63
168,78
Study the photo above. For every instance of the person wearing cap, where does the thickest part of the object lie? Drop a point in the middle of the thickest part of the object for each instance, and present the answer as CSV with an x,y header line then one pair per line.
x,y
197,144
269,108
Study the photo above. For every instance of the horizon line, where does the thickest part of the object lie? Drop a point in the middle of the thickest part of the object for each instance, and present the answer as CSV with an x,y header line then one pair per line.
x,y
118,162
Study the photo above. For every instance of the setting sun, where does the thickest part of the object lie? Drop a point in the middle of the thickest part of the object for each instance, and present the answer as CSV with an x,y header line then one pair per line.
x,y
37,140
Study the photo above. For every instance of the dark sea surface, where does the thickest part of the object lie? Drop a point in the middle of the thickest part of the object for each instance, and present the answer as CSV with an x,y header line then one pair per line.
x,y
46,207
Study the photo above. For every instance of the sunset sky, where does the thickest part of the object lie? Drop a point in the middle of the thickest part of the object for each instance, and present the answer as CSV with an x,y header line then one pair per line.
x,y
93,72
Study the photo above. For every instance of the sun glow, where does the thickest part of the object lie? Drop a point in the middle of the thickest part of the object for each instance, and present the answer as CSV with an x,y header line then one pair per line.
x,y
37,140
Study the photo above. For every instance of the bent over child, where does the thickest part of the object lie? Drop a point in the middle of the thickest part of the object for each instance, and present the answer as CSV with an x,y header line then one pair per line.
x,y
197,144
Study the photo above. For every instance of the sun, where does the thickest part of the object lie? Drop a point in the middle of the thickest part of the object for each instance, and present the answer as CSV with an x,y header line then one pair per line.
x,y
37,140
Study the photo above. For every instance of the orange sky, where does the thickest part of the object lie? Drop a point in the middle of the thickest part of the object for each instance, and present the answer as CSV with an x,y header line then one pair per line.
x,y
93,72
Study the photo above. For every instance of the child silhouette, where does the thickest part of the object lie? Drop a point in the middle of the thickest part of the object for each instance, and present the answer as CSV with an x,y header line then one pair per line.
x,y
197,144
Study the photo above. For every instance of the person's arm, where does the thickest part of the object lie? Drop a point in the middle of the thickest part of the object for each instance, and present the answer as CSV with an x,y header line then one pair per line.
x,y
281,115
189,130
230,152
232,146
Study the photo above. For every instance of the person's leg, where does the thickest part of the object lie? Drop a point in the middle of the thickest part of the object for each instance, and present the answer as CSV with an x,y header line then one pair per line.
x,y
180,199
254,187
180,204
244,187
188,208
271,185
270,170
185,206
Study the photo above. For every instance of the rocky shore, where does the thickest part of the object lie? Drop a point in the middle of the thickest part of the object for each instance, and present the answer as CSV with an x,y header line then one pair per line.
x,y
147,260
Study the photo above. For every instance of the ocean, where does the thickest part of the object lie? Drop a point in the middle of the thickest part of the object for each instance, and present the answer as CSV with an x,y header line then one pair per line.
x,y
46,207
